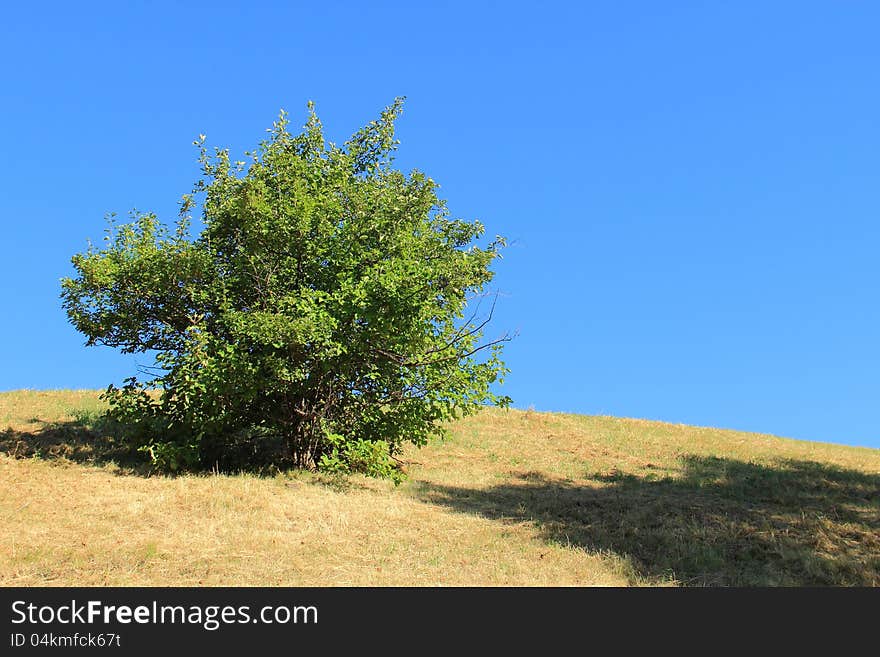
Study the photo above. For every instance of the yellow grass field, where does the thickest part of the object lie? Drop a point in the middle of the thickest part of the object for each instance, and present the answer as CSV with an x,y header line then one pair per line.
x,y
513,498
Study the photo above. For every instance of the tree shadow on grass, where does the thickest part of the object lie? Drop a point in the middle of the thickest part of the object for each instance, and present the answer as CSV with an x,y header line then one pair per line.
x,y
81,440
88,439
719,522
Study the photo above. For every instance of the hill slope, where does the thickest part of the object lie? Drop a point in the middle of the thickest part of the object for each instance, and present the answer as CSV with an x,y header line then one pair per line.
x,y
513,498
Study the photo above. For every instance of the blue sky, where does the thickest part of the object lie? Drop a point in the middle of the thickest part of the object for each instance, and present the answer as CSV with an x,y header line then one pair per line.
x,y
690,189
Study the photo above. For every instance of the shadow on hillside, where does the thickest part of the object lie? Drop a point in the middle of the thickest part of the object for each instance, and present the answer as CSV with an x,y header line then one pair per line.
x,y
77,440
89,440
719,522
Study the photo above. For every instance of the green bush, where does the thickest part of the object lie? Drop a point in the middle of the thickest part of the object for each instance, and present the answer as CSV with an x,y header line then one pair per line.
x,y
317,319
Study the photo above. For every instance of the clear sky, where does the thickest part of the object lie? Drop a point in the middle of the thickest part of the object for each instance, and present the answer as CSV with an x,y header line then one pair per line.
x,y
691,189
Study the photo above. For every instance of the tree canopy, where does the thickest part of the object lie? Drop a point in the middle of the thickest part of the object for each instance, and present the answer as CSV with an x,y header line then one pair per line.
x,y
328,310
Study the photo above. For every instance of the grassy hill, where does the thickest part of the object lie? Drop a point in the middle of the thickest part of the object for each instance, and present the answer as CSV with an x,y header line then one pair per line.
x,y
513,498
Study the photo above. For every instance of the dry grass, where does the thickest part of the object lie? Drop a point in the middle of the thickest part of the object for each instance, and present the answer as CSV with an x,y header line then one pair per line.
x,y
513,498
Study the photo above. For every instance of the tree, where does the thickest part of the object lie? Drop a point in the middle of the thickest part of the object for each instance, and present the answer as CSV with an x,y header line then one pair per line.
x,y
318,319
